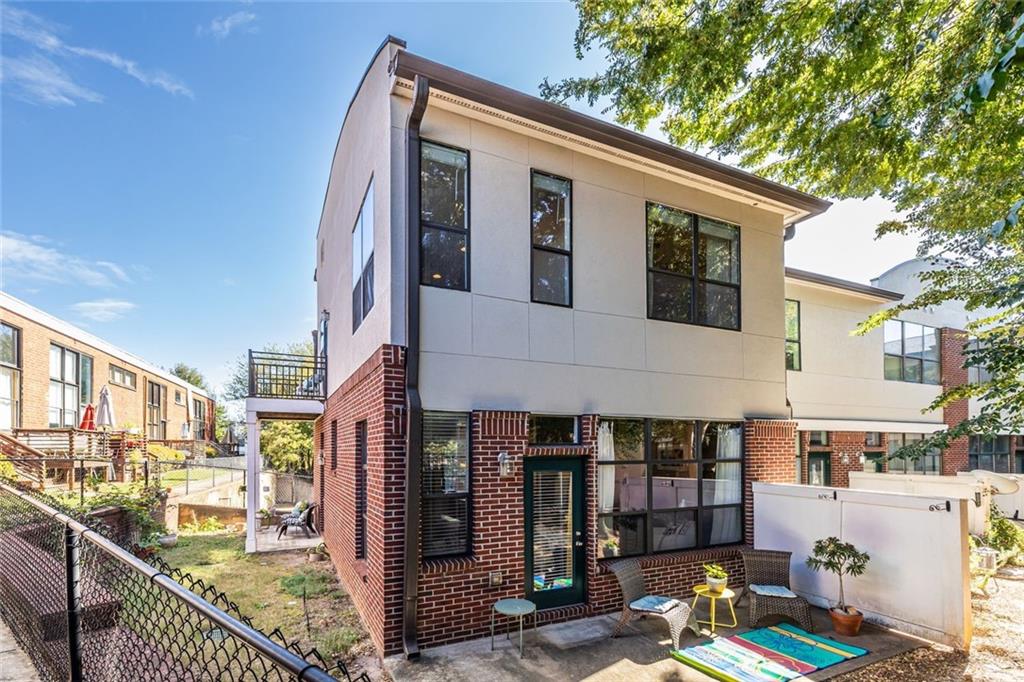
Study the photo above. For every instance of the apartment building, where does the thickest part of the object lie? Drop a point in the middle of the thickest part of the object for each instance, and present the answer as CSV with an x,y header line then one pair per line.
x,y
549,342
50,370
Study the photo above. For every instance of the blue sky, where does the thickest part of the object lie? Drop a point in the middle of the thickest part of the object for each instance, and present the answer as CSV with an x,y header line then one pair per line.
x,y
164,164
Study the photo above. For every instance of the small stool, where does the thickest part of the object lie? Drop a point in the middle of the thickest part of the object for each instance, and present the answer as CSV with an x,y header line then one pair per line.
x,y
514,608
726,594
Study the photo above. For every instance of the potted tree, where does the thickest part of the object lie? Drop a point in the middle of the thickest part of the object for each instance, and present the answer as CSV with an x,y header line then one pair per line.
x,y
842,558
716,577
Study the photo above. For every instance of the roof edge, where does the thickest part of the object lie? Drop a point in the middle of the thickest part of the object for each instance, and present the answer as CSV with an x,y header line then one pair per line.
x,y
842,284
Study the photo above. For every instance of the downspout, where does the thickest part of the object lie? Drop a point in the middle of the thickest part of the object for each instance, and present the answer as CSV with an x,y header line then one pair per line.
x,y
414,406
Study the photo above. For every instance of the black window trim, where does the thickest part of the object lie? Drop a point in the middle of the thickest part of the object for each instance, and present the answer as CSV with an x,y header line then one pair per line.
x,y
17,346
797,340
65,383
16,368
468,495
694,278
368,266
575,430
552,249
903,354
448,228
649,461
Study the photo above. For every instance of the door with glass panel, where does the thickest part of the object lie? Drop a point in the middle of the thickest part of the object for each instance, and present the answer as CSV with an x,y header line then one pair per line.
x,y
819,468
555,550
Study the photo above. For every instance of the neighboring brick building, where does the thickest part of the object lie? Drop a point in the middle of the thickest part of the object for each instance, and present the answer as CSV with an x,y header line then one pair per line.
x,y
50,370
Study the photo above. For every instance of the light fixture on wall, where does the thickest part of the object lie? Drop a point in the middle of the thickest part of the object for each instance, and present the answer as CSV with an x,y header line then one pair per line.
x,y
504,465
845,459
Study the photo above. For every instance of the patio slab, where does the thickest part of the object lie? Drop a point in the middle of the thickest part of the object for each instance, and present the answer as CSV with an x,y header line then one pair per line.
x,y
583,650
266,540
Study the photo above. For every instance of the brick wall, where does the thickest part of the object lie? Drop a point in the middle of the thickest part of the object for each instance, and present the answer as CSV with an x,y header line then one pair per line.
x,y
952,341
375,393
770,450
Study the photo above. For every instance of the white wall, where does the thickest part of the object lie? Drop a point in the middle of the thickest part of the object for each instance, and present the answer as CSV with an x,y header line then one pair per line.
x,y
842,375
1010,504
941,486
918,578
494,349
904,278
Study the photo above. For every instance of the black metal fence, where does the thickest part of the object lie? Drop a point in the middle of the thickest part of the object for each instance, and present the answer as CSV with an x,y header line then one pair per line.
x,y
284,375
84,608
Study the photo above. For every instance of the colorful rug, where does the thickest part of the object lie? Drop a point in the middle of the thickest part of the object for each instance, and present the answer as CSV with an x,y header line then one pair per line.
x,y
773,654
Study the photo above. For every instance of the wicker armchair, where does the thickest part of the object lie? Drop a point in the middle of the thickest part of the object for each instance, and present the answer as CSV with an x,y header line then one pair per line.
x,y
303,520
771,567
631,581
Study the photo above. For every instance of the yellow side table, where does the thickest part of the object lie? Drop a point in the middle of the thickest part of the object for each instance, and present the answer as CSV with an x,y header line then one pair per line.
x,y
726,594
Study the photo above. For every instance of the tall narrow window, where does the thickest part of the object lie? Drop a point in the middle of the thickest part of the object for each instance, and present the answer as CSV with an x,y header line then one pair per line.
x,y
156,410
334,444
693,268
85,379
793,357
10,377
911,352
64,393
199,419
445,484
551,228
444,216
361,490
362,260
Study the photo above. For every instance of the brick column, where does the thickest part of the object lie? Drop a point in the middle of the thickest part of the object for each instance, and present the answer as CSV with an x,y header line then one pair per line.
x,y
770,452
849,444
953,373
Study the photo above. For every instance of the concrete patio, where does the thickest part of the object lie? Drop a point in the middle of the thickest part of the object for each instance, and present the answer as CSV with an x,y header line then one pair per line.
x,y
266,540
583,650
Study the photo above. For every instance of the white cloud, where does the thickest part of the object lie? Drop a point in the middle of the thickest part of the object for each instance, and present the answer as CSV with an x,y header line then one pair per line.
x,y
222,27
104,309
45,82
33,258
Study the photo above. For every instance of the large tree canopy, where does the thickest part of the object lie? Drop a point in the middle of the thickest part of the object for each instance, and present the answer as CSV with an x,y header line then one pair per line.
x,y
918,101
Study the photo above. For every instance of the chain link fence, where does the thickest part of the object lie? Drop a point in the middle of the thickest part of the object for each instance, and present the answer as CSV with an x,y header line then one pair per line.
x,y
84,608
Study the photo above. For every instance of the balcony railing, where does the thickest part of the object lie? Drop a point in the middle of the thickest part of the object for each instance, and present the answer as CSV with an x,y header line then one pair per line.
x,y
284,375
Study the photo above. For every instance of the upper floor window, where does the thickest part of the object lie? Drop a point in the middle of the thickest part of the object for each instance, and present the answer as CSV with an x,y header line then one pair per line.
x,y
445,484
547,429
977,374
551,228
65,392
793,357
362,260
693,268
444,216
929,463
122,377
911,352
177,398
989,453
10,377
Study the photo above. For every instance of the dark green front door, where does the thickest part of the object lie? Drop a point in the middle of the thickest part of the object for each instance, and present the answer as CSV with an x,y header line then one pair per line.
x,y
819,468
555,546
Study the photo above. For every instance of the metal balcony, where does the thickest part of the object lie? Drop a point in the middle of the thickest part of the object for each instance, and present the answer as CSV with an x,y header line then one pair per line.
x,y
284,375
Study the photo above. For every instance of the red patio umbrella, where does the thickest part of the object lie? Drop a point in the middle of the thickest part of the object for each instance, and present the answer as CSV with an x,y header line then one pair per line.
x,y
88,419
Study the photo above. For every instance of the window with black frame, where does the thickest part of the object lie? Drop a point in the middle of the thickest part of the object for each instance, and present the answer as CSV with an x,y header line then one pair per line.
x,y
693,268
199,418
445,493
10,377
362,260
551,239
546,429
929,463
911,352
793,356
991,453
444,216
668,485
64,399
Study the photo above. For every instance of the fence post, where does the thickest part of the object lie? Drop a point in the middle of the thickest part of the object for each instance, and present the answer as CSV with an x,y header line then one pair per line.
x,y
213,483
188,468
145,472
73,575
81,482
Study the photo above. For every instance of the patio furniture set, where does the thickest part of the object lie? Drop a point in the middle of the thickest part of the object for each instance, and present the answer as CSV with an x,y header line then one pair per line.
x,y
301,516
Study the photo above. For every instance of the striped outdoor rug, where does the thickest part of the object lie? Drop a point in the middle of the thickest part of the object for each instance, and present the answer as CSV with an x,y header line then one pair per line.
x,y
773,654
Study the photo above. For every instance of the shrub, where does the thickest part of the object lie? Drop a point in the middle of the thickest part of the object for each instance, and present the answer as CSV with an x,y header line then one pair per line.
x,y
137,501
210,524
6,468
338,642
210,451
1005,536
164,453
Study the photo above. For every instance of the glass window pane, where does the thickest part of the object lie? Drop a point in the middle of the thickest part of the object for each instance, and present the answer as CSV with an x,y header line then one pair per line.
x,y
672,439
893,331
621,487
674,485
911,369
1002,444
357,304
70,367
86,380
893,368
722,526
357,246
367,286
551,430
70,418
793,355
551,211
931,372
913,341
621,535
793,320
669,297
443,258
674,530
443,185
55,396
55,362
931,343
366,225
669,239
620,439
722,440
718,306
721,483
8,345
445,526
718,251
71,398
550,277
445,453
53,417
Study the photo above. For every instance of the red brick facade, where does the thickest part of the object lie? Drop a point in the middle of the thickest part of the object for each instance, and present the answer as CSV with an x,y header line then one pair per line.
x,y
954,458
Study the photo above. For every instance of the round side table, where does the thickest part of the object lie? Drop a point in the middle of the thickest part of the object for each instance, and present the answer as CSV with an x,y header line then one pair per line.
x,y
514,608
726,594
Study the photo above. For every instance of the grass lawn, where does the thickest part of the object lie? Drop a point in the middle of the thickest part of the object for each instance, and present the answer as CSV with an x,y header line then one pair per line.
x,y
268,589
175,477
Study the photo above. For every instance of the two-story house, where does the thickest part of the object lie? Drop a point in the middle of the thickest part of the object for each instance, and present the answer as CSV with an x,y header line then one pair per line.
x,y
550,342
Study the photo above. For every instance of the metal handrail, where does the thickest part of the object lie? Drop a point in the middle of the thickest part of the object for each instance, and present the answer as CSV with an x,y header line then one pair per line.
x,y
287,375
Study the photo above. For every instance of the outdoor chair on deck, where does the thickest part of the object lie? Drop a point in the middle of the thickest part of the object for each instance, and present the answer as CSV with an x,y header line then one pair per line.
x,y
768,568
303,520
637,601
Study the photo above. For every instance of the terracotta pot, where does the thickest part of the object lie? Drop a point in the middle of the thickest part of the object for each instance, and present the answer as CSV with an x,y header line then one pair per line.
x,y
315,556
715,585
846,624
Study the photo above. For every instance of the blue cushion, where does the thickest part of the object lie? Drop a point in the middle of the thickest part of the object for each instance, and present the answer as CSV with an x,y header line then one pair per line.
x,y
654,604
772,591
